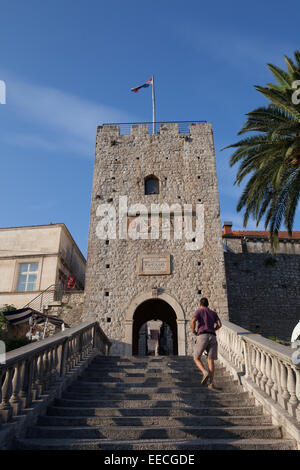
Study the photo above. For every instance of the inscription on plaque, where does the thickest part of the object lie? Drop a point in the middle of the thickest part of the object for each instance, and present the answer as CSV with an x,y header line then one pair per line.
x,y
154,264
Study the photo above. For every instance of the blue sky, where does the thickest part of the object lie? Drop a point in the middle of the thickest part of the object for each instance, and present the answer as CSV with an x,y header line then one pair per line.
x,y
69,65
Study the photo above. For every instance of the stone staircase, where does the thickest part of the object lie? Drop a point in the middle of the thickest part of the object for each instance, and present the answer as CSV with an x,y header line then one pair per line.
x,y
153,403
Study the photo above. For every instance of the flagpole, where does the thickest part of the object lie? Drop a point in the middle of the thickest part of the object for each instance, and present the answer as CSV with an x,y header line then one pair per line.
x,y
153,104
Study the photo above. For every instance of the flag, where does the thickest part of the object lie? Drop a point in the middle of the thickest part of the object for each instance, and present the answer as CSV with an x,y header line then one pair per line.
x,y
145,85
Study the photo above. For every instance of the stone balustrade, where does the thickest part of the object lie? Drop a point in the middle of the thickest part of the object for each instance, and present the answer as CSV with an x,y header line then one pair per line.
x,y
32,370
264,365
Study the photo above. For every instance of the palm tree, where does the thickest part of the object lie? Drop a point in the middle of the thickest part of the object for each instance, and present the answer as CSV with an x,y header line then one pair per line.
x,y
271,157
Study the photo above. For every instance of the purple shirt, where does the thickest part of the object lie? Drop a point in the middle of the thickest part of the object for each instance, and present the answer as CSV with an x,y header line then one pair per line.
x,y
206,319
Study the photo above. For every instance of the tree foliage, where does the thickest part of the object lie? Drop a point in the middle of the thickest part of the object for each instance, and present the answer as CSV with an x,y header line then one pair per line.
x,y
271,157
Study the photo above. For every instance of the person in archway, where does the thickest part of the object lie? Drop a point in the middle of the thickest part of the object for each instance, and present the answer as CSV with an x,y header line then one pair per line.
x,y
208,322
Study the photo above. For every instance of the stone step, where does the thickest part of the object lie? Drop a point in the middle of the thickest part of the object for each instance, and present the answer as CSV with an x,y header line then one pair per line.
x,y
144,412
203,396
153,404
161,421
191,366
142,388
162,403
90,375
143,432
147,360
150,444
161,369
194,381
147,367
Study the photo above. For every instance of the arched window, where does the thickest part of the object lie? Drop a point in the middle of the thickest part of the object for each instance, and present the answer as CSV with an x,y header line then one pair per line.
x,y
151,185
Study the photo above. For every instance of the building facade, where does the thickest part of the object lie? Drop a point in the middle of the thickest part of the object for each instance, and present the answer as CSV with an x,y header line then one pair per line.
x,y
34,258
136,272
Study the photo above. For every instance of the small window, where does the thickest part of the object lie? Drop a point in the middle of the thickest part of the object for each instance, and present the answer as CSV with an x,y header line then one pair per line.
x,y
151,185
27,277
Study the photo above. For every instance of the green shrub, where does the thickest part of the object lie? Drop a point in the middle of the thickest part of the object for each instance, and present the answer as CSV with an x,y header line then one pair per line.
x,y
279,340
15,343
3,321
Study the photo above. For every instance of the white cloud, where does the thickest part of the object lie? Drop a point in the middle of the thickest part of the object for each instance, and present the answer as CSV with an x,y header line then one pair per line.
x,y
60,120
234,49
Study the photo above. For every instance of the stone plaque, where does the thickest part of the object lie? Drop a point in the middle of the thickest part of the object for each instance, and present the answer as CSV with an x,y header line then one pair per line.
x,y
154,264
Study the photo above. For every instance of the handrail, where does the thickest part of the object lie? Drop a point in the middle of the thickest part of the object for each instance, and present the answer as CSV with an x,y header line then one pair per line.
x,y
52,290
183,127
31,370
271,346
267,365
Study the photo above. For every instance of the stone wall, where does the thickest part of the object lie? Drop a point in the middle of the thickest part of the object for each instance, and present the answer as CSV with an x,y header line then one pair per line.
x,y
186,169
263,290
70,309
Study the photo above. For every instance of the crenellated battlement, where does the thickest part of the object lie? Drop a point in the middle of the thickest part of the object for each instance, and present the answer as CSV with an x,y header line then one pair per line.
x,y
143,128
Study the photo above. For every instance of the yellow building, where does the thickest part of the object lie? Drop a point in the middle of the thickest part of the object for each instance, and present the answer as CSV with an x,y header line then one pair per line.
x,y
34,258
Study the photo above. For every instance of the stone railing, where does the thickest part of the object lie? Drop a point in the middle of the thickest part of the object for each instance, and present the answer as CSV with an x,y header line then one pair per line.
x,y
31,371
266,368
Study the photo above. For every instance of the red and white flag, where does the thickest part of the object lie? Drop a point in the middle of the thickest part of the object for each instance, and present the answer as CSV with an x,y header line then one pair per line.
x,y
145,85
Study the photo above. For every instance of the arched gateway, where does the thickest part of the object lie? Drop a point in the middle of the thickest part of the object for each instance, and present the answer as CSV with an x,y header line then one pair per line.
x,y
149,306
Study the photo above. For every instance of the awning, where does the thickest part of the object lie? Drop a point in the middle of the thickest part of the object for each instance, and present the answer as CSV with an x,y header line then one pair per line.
x,y
16,317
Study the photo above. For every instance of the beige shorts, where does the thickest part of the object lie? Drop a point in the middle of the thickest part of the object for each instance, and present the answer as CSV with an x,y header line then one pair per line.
x,y
206,342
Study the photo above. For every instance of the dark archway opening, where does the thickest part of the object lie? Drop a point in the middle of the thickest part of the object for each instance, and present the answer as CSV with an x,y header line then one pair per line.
x,y
154,309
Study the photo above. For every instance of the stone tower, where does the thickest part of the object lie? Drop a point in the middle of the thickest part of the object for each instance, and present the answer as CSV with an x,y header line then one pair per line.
x,y
149,268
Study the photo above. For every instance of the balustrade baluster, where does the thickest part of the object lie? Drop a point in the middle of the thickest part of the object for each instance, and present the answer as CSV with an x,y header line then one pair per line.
x,y
259,372
73,353
39,374
34,371
253,363
77,349
45,377
85,344
15,400
51,366
69,355
269,382
263,370
56,363
24,384
246,355
284,395
63,359
291,386
274,377
6,410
